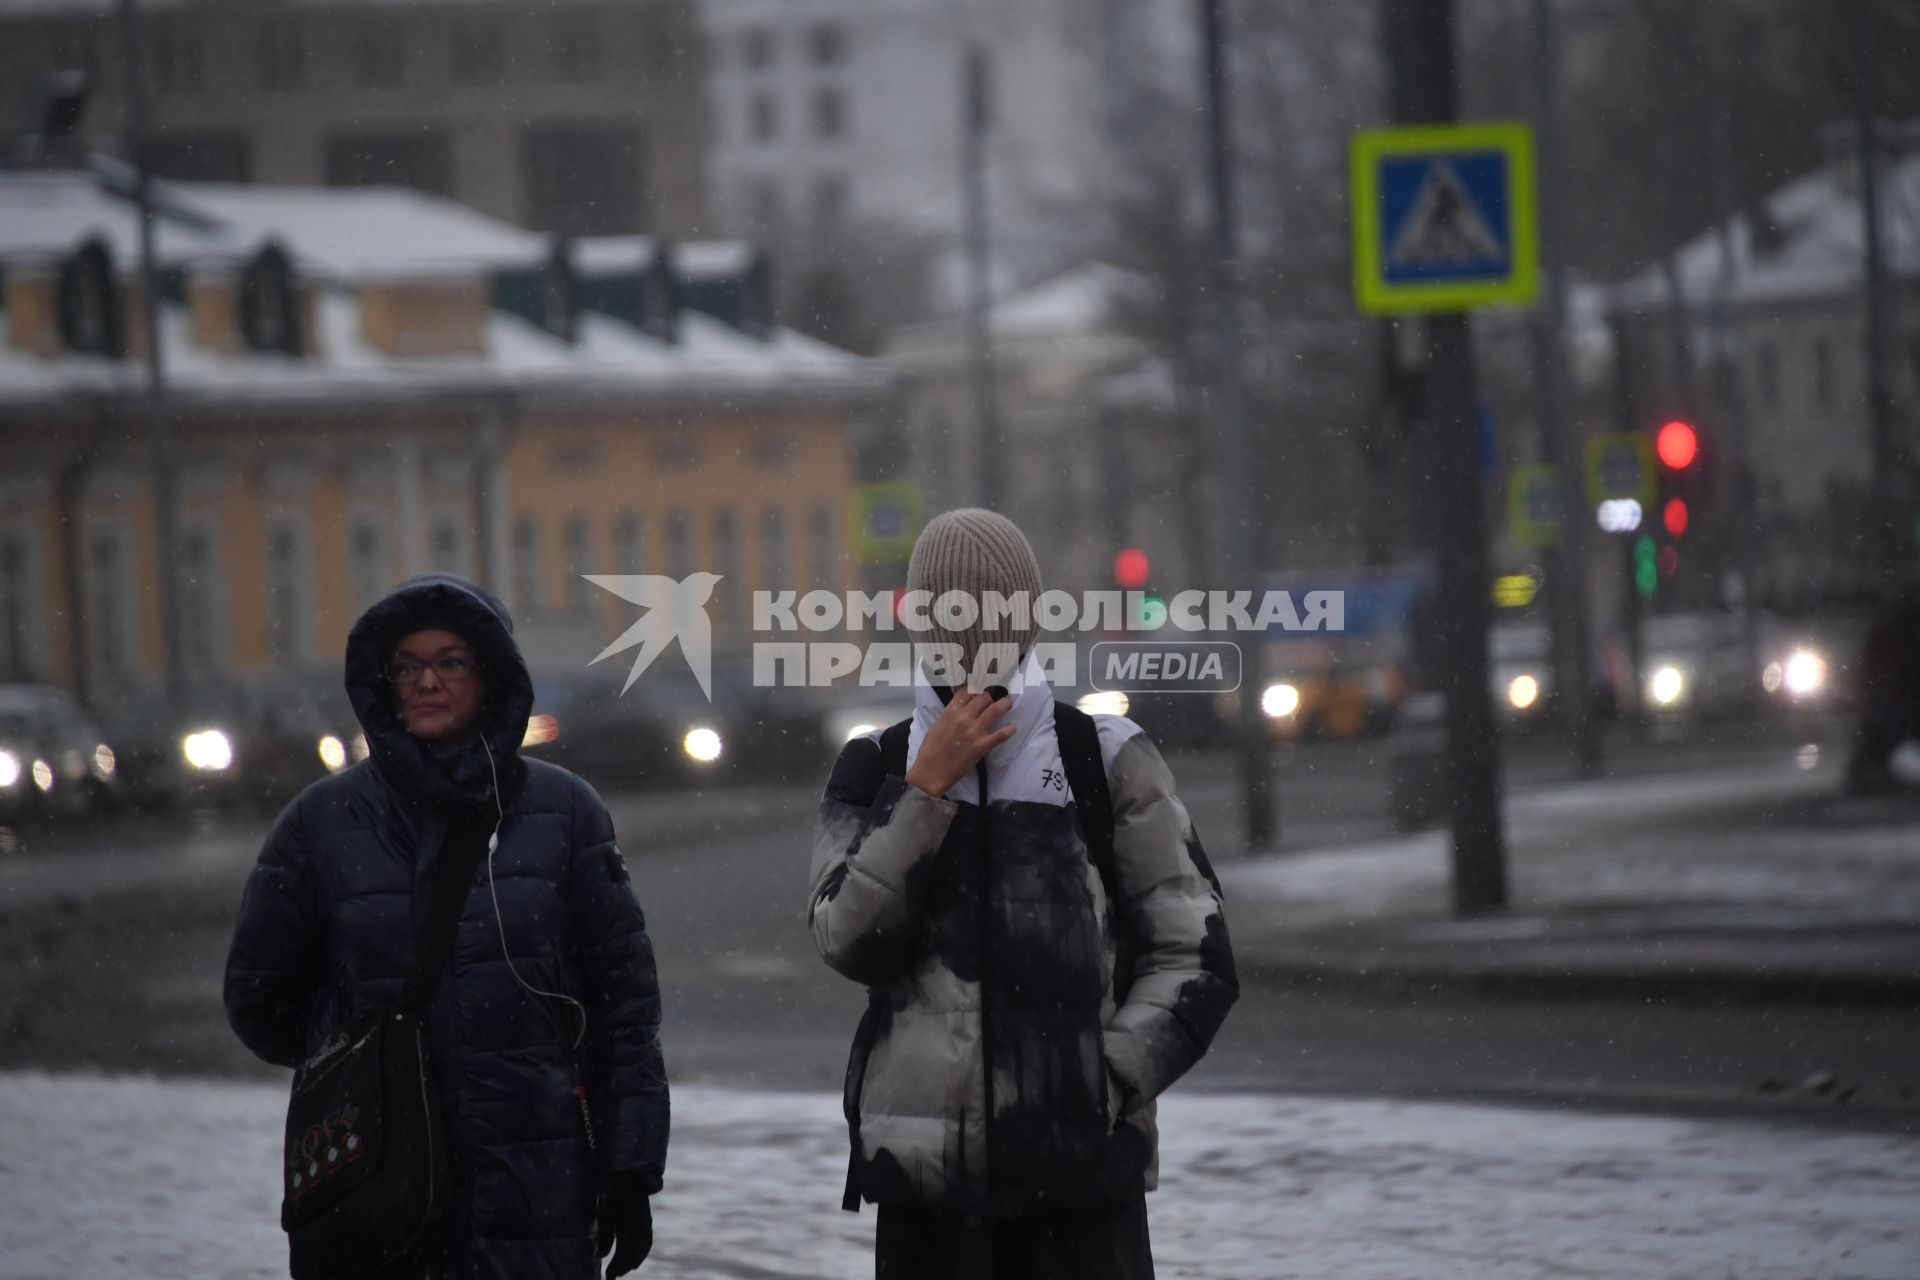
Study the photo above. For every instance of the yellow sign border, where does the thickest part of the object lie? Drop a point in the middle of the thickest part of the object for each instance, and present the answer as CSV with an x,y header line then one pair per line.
x,y
1371,290
1527,531
1642,446
865,497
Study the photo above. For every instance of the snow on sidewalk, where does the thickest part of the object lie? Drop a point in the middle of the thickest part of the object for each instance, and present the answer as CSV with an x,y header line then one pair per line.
x,y
136,1179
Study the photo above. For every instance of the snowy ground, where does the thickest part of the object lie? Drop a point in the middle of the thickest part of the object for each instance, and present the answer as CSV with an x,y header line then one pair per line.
x,y
134,1179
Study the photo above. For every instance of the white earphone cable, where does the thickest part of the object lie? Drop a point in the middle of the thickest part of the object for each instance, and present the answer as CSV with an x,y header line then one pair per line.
x,y
493,842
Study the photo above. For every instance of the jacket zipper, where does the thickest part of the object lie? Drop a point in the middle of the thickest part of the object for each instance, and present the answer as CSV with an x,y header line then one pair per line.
x,y
984,878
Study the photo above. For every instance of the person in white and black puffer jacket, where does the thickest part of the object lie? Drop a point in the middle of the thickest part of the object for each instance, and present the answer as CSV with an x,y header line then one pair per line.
x,y
1020,1023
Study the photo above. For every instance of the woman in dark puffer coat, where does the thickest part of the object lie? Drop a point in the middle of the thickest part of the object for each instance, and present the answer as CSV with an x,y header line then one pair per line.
x,y
329,916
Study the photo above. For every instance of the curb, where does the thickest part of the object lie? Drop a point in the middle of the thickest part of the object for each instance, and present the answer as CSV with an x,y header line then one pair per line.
x,y
1693,986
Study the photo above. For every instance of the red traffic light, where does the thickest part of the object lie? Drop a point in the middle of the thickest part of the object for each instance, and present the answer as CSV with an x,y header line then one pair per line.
x,y
1678,445
1675,517
1130,568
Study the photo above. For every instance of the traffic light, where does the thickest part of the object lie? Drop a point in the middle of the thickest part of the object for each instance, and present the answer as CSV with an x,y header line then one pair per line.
x,y
1677,445
1130,569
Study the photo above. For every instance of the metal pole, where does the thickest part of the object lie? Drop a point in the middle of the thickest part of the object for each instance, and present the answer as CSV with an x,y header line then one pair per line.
x,y
976,110
1561,436
1243,571
1418,35
1894,545
159,429
1739,516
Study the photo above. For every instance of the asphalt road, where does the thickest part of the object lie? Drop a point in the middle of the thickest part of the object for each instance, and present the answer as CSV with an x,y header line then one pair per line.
x,y
112,942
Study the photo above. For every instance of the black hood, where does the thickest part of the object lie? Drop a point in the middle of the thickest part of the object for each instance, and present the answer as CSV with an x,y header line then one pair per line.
x,y
464,776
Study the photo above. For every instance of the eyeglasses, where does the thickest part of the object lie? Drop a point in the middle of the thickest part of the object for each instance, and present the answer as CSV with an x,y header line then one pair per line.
x,y
405,673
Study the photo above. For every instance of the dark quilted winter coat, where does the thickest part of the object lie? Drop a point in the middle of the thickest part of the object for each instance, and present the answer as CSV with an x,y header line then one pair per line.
x,y
329,917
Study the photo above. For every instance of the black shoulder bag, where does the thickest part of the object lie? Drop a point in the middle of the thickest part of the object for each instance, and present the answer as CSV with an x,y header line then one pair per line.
x,y
366,1177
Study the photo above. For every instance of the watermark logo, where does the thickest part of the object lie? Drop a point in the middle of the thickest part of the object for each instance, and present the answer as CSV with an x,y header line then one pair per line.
x,y
676,609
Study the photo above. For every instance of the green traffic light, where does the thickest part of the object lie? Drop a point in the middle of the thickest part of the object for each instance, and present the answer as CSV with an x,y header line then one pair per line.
x,y
1646,570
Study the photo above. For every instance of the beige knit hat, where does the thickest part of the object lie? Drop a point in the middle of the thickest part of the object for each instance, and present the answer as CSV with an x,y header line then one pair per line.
x,y
976,551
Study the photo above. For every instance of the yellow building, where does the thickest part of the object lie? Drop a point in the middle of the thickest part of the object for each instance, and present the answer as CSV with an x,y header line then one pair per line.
x,y
367,384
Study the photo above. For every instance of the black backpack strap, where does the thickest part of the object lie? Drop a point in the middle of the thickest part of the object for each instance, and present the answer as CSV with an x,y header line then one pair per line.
x,y
893,747
1086,772
452,881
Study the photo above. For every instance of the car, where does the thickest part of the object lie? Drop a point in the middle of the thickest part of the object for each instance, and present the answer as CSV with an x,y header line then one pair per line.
x,y
53,758
248,739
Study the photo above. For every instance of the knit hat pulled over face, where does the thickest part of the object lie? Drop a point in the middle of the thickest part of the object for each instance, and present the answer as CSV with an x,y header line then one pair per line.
x,y
975,551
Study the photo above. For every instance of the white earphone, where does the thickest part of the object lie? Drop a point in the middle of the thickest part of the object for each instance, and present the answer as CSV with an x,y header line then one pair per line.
x,y
493,843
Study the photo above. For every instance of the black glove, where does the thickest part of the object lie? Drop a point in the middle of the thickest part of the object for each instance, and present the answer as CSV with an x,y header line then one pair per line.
x,y
626,1216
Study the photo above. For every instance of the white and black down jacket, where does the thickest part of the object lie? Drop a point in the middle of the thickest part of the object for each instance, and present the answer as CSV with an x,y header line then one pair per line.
x,y
990,940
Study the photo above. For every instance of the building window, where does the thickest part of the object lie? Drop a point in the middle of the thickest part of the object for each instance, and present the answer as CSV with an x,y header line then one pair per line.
x,y
109,613
586,178
726,554
820,548
73,49
763,117
17,607
287,587
773,548
679,544
576,48
828,43
756,48
576,540
526,566
830,201
1823,370
198,580
281,58
1769,371
450,546
479,55
626,543
379,56
829,112
764,205
368,568
179,61
209,157
417,158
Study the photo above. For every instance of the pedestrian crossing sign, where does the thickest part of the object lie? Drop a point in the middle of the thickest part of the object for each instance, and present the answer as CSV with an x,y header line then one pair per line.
x,y
1443,218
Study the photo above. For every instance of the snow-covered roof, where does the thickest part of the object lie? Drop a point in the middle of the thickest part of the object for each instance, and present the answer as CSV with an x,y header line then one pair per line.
x,y
339,237
1812,246
44,216
694,259
360,232
1078,299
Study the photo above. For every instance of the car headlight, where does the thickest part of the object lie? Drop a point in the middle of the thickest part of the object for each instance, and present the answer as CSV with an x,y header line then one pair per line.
x,y
702,744
1666,686
103,762
1523,691
860,731
9,768
43,775
1104,702
358,749
1279,701
208,749
333,753
1805,673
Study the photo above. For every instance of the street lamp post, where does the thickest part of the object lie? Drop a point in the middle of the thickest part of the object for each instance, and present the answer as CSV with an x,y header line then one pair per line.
x,y
158,428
